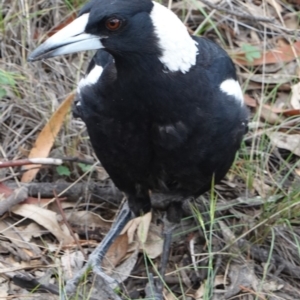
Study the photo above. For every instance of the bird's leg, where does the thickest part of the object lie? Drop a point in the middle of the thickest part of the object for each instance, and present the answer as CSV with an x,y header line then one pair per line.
x,y
96,257
173,216
167,235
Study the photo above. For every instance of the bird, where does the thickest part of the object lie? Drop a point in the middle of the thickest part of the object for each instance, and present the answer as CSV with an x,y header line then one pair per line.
x,y
163,109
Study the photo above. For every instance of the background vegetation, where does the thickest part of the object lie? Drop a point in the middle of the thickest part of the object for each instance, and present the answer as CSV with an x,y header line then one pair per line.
x,y
243,240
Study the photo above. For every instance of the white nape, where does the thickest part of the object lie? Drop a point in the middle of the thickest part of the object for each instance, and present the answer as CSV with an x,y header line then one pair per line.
x,y
231,87
178,47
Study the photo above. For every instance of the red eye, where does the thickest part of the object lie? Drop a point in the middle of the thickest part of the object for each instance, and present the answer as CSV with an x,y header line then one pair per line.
x,y
113,24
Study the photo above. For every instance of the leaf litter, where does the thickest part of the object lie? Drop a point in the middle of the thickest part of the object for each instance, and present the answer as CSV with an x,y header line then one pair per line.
x,y
35,122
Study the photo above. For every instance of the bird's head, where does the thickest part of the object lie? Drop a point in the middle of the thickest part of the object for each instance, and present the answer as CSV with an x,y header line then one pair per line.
x,y
123,28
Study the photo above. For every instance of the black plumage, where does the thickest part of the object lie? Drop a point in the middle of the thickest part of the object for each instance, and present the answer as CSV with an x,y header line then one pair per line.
x,y
170,132
158,119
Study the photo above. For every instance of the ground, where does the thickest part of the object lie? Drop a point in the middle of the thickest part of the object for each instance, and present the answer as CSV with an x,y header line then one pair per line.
x,y
240,241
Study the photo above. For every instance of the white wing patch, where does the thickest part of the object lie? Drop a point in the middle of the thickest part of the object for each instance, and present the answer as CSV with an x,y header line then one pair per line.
x,y
91,78
231,87
179,49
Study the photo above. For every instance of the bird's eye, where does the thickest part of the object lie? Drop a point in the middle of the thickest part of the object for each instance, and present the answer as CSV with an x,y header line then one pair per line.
x,y
113,24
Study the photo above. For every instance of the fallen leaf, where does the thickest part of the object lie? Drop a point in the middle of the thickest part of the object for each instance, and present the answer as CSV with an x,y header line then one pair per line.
x,y
277,8
249,101
154,243
261,188
32,230
71,263
291,20
282,111
169,296
132,226
116,252
199,294
286,141
269,116
295,99
45,218
241,275
123,271
17,237
143,228
46,138
84,218
279,78
4,288
284,53
271,286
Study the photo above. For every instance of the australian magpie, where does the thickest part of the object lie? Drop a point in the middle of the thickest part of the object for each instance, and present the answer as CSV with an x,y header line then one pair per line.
x,y
163,109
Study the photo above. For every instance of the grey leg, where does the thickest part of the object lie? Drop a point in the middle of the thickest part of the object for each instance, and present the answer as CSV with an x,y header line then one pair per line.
x,y
96,257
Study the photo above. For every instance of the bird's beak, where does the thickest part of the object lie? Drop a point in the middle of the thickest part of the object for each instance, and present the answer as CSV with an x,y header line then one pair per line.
x,y
70,39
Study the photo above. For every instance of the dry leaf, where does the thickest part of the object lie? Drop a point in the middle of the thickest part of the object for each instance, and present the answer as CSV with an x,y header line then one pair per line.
x,y
101,173
45,218
291,20
143,228
279,78
289,142
115,253
18,239
249,101
271,286
261,188
123,271
219,279
169,296
71,263
33,230
269,116
154,244
284,53
88,218
282,111
132,226
4,288
46,138
241,275
277,7
295,100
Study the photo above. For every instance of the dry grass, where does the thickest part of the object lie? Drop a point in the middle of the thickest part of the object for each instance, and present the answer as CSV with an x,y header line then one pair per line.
x,y
250,236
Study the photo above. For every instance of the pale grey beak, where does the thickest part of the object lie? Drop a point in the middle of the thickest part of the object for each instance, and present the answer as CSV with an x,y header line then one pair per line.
x,y
70,39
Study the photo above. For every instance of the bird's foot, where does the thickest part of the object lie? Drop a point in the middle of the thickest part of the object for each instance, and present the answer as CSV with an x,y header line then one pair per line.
x,y
154,289
72,283
94,262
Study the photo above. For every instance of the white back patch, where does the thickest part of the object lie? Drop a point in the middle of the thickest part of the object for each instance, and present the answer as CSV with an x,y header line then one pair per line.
x,y
90,78
179,49
231,87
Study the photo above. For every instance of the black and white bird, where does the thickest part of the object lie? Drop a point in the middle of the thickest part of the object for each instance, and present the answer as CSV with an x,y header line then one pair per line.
x,y
163,109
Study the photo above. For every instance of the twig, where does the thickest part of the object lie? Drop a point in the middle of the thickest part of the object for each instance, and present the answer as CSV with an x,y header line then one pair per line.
x,y
58,203
43,161
73,192
237,14
19,195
